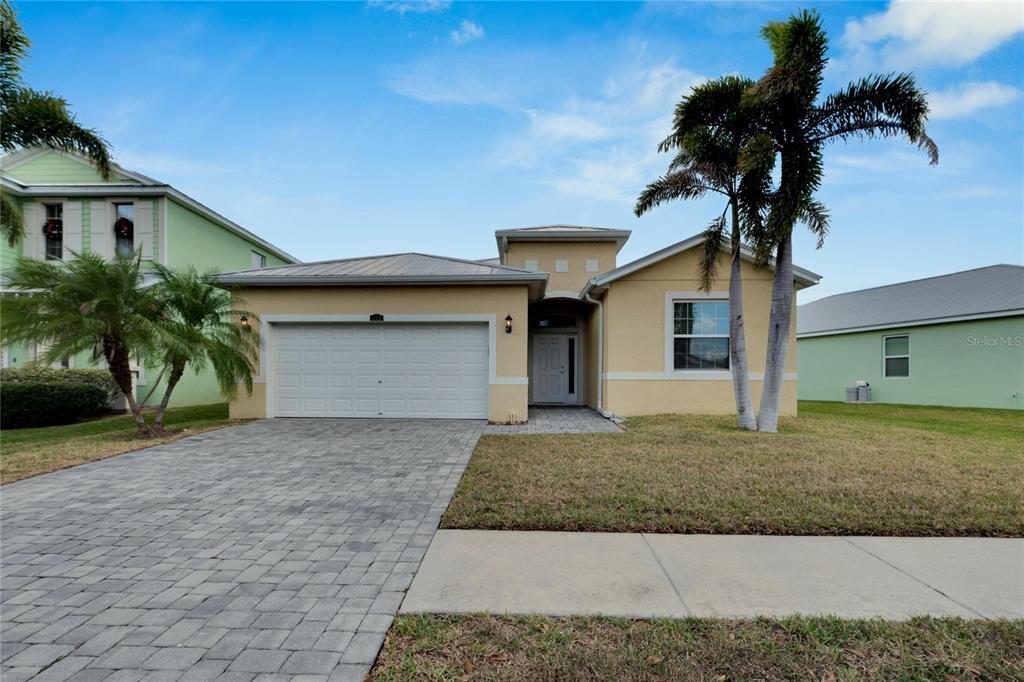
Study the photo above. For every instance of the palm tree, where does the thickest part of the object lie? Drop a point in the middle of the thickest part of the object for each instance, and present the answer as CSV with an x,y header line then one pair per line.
x,y
34,119
206,326
86,304
716,138
799,127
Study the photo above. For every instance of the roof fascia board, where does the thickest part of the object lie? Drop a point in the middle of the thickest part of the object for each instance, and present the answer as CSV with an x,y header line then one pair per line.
x,y
805,277
912,323
388,280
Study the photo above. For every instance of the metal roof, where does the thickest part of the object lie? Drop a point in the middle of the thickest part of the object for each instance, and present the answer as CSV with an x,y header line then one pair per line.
x,y
391,269
993,291
560,233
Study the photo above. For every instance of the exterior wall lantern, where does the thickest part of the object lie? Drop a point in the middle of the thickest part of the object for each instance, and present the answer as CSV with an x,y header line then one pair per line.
x,y
508,324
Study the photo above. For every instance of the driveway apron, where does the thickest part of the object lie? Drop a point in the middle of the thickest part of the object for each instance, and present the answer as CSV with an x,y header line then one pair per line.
x,y
276,547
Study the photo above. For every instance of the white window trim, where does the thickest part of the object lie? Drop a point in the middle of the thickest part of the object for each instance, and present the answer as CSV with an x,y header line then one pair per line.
x,y
671,298
885,373
112,218
561,265
43,203
593,265
532,265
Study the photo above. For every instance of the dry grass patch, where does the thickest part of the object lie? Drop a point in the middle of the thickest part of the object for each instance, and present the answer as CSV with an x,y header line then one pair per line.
x,y
837,469
477,647
30,452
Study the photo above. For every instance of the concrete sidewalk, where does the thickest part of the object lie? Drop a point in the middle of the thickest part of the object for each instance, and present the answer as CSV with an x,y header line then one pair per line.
x,y
672,576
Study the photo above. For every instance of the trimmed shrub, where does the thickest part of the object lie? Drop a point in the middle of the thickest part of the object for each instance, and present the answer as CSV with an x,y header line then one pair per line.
x,y
57,375
38,403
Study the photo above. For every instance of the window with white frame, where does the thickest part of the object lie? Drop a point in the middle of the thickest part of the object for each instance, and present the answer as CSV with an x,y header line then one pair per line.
x,y
53,231
561,266
700,335
896,356
124,229
531,265
257,260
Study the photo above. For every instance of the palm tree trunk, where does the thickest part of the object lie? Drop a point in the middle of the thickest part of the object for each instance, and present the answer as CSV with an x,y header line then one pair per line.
x,y
737,333
778,337
172,381
119,366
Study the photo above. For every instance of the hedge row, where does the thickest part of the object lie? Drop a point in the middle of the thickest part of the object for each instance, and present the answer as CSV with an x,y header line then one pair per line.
x,y
39,403
51,375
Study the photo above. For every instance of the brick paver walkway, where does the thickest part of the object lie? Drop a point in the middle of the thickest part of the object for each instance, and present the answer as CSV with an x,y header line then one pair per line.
x,y
278,547
558,420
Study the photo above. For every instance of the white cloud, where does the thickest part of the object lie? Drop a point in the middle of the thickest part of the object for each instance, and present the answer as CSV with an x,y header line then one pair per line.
x,y
412,6
967,98
467,32
602,147
909,34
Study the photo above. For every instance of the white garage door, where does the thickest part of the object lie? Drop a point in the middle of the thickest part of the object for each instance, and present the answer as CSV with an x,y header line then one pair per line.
x,y
380,370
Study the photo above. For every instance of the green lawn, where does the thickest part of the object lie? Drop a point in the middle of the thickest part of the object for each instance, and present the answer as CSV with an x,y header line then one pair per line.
x,y
480,647
29,452
835,469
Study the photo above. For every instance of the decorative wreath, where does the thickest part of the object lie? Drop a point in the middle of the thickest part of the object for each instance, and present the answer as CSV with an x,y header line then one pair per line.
x,y
124,228
53,227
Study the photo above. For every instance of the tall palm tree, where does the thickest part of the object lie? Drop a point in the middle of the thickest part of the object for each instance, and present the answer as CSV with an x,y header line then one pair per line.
x,y
87,304
34,119
716,137
799,127
206,326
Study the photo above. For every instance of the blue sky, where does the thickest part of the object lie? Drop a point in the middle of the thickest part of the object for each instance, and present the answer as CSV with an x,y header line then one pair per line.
x,y
338,130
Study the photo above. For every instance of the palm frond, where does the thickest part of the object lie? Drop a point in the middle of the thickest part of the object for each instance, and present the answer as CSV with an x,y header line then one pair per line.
x,y
12,228
714,242
879,105
683,184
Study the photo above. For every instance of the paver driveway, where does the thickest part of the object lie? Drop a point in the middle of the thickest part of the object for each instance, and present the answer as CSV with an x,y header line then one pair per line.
x,y
280,546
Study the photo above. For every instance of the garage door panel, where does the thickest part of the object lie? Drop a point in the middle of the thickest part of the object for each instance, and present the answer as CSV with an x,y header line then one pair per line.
x,y
362,370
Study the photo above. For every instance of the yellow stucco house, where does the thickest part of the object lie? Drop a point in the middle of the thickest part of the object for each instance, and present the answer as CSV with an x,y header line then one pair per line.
x,y
553,320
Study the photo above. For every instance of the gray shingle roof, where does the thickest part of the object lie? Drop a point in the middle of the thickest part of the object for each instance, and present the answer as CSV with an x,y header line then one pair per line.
x,y
399,268
985,292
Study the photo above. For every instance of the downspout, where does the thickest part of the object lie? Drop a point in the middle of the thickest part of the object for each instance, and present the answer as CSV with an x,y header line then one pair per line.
x,y
600,352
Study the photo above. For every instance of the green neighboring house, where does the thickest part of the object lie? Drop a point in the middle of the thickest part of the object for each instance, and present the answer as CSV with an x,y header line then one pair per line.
x,y
69,208
954,340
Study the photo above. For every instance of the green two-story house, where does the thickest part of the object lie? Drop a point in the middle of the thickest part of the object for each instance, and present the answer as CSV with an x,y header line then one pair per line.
x,y
69,208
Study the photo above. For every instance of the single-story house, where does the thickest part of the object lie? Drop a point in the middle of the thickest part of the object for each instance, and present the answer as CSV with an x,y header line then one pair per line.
x,y
955,340
553,320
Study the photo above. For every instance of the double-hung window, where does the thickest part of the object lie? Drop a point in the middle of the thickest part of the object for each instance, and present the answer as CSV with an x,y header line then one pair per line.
x,y
700,337
53,231
896,356
124,229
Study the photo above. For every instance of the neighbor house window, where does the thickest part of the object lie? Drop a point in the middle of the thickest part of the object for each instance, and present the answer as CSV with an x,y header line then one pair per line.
x,y
53,231
700,335
124,229
561,266
531,265
896,356
592,265
257,260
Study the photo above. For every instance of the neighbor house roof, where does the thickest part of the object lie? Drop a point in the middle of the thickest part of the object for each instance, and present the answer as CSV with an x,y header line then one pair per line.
x,y
561,233
134,184
805,278
993,291
392,269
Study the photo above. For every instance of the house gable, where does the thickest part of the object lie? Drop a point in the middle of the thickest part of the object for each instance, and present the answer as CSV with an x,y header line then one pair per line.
x,y
51,167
